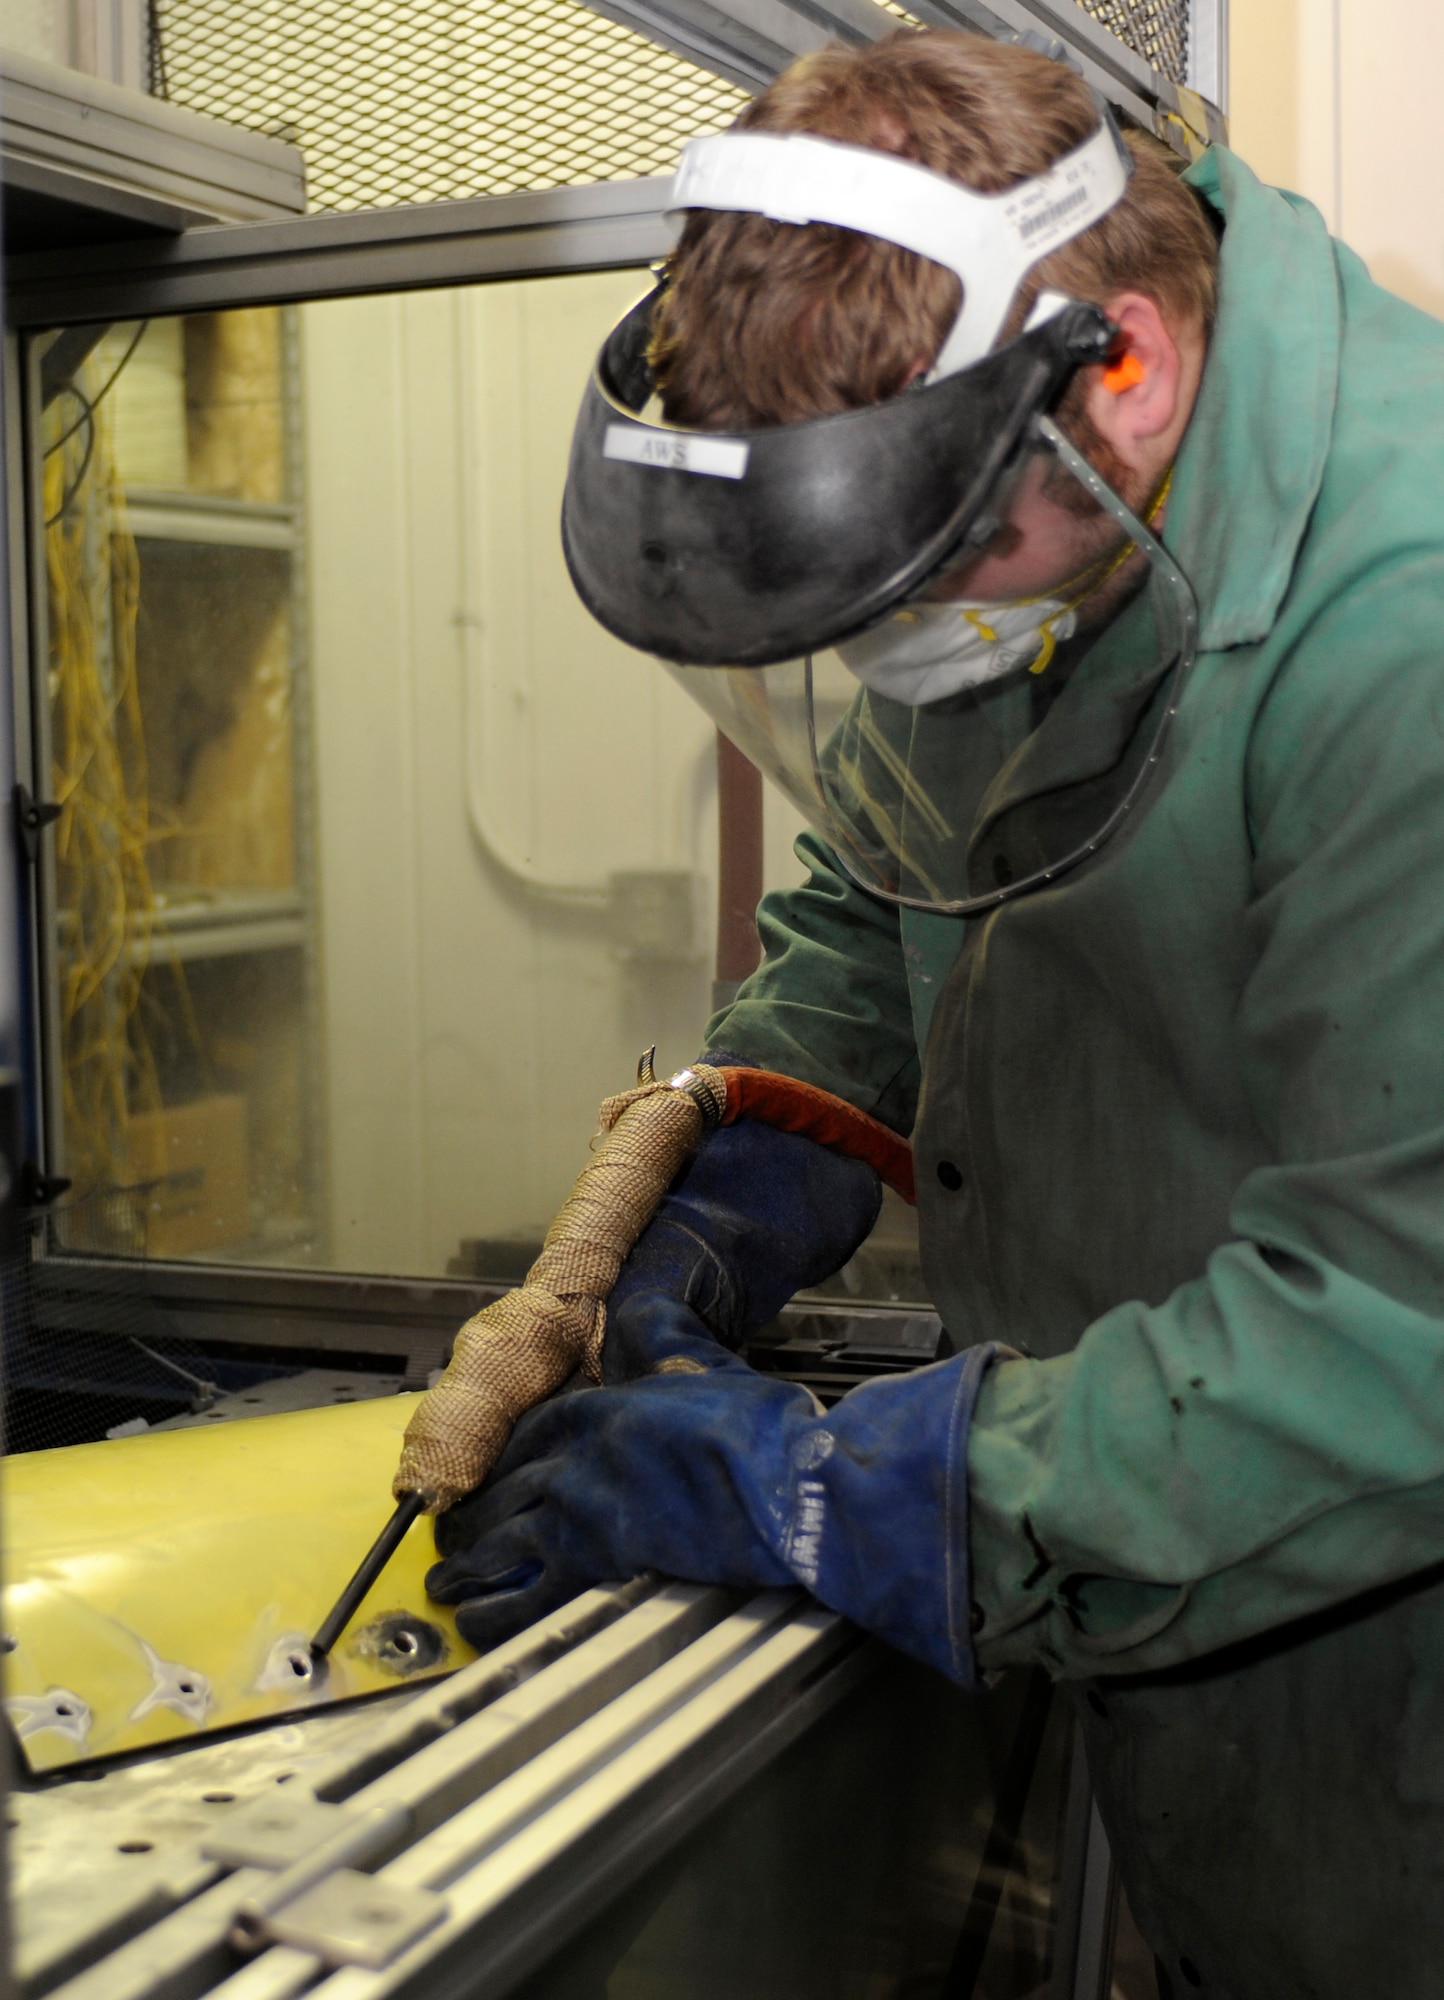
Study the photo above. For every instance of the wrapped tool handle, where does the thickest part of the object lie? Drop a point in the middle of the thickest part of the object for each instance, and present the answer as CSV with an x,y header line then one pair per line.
x,y
817,1114
520,1349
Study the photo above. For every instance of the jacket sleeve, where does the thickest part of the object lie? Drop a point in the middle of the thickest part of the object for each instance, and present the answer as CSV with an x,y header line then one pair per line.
x,y
829,1003
1269,1440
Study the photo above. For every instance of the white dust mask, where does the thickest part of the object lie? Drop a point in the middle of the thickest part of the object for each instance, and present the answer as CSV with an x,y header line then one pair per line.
x,y
928,651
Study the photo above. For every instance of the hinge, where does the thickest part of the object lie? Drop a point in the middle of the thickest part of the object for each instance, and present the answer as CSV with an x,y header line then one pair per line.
x,y
39,1189
355,1919
32,816
315,1900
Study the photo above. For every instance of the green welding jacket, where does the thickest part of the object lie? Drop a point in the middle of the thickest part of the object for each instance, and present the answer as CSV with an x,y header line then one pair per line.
x,y
1180,1142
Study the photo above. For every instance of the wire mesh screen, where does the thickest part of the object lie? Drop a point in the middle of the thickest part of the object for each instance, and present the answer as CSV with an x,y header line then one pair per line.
x,y
430,100
1157,30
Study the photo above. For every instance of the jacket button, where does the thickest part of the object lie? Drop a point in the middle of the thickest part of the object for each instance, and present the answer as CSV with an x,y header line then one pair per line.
x,y
1002,870
950,1176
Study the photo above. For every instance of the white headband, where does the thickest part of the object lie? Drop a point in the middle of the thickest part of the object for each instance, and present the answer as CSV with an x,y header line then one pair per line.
x,y
990,240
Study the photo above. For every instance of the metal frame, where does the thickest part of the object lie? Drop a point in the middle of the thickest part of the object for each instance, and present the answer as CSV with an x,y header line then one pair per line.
x,y
582,228
302,1313
269,921
454,1842
411,1321
1087,1894
748,41
80,140
337,256
105,38
303,797
500,1809
32,757
308,258
15,723
12,993
1208,50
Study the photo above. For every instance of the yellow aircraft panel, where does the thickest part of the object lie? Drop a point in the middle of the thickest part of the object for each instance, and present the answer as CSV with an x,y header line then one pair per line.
x,y
163,1585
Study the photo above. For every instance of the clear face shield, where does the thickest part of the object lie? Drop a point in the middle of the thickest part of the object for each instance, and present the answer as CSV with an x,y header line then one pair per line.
x,y
806,582
864,736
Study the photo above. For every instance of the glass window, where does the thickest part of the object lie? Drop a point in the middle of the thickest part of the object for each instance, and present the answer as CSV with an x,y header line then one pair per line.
x,y
379,862
186,1036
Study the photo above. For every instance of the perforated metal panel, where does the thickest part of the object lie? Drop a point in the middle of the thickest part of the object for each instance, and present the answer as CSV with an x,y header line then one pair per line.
x,y
1157,30
428,100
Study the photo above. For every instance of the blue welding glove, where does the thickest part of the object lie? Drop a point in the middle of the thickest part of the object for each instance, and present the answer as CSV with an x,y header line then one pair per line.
x,y
755,1215
732,1477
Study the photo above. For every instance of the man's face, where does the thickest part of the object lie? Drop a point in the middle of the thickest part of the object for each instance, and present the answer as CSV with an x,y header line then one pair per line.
x,y
1047,541
1053,534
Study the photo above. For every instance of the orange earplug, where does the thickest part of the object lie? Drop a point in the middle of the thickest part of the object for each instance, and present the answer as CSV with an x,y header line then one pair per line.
x,y
1124,373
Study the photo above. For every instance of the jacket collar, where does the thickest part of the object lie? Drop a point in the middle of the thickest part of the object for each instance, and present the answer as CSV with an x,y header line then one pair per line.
x,y
1253,456
1244,486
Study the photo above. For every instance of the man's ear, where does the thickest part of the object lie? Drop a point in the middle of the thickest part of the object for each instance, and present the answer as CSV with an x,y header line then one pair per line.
x,y
1143,394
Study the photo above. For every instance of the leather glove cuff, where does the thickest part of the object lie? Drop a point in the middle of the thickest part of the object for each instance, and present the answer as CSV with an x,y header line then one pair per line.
x,y
756,1215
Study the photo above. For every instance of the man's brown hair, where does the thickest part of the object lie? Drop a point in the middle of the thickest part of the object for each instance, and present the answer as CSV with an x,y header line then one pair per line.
x,y
767,322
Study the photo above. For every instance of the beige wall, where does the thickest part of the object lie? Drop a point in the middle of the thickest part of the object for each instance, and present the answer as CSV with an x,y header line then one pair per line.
x,y
106,38
1338,100
486,757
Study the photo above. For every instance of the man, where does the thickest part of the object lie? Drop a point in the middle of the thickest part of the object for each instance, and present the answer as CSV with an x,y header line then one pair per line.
x,y
1158,996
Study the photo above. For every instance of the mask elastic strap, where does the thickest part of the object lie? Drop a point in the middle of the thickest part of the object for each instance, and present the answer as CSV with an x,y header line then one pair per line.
x,y
1092,583
990,242
1185,607
1083,585
1096,574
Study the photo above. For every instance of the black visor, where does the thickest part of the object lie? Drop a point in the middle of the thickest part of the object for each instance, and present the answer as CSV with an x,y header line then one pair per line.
x,y
764,545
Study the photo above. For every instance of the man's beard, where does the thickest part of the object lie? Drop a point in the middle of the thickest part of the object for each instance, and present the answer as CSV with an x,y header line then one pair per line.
x,y
1063,490
1131,485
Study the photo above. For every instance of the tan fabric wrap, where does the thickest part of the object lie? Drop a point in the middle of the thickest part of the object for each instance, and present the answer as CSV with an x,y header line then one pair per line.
x,y
519,1350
